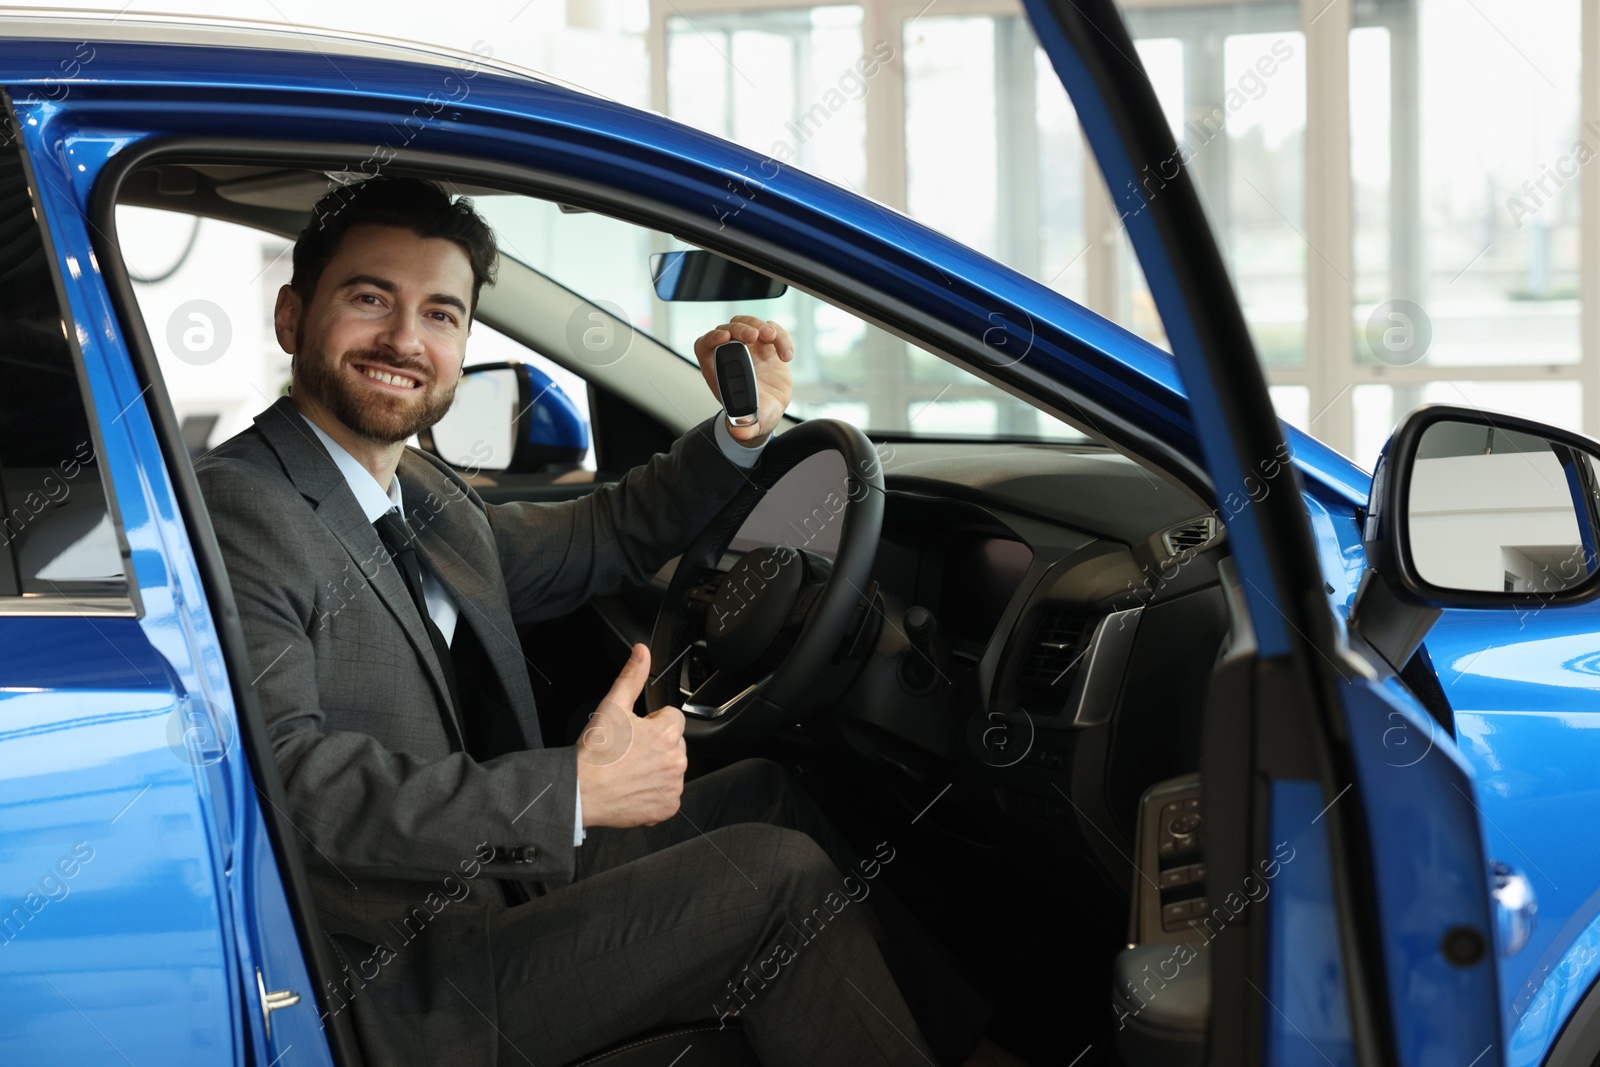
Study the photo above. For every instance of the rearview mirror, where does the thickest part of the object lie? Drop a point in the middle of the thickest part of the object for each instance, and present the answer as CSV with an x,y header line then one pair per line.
x,y
702,275
1474,509
508,417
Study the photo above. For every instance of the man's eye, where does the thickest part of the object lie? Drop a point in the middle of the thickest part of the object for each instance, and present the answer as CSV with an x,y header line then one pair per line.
x,y
368,297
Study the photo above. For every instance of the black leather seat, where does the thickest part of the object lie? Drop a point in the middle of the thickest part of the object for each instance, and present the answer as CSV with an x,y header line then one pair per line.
x,y
707,1044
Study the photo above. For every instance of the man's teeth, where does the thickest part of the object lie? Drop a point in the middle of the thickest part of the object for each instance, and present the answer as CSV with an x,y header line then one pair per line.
x,y
389,379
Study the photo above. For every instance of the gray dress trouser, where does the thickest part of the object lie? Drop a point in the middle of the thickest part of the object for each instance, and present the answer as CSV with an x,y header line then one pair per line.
x,y
749,902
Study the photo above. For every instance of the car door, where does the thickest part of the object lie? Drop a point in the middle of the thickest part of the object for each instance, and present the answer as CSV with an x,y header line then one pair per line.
x,y
1375,943
154,925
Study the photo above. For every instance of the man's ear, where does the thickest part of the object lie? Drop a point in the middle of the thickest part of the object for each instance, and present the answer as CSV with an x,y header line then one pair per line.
x,y
286,318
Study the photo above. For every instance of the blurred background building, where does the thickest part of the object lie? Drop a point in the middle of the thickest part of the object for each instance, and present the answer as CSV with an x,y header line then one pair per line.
x,y
1399,186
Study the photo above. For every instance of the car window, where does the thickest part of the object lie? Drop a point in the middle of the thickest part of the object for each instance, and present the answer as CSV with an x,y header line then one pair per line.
x,y
489,345
844,368
207,287
207,290
58,533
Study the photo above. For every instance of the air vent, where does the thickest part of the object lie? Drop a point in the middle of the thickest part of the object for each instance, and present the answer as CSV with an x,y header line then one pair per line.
x,y
1192,536
1057,649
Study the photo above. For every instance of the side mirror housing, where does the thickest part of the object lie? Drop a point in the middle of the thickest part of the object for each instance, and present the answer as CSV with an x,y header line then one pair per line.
x,y
1475,509
508,417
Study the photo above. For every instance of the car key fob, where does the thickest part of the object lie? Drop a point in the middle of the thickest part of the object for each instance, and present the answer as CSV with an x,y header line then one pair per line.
x,y
736,384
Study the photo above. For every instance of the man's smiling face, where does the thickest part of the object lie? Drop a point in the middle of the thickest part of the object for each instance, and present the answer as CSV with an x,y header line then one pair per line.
x,y
379,345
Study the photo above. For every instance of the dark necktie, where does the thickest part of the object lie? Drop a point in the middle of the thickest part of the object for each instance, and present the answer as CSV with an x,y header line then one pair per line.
x,y
396,536
490,725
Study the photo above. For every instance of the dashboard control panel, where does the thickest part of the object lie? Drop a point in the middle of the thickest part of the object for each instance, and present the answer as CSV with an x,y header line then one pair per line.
x,y
1172,873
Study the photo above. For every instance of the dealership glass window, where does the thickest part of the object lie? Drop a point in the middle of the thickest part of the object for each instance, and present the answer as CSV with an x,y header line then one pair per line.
x,y
1232,81
1293,404
1502,215
1462,196
785,82
1371,132
1465,201
1135,307
952,129
1064,179
994,154
805,103
1266,246
1237,98
995,158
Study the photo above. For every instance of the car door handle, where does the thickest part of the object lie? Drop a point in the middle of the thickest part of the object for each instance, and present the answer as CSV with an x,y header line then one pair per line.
x,y
1515,906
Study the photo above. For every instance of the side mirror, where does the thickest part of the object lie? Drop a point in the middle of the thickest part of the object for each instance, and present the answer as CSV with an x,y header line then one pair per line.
x,y
701,275
1474,509
508,417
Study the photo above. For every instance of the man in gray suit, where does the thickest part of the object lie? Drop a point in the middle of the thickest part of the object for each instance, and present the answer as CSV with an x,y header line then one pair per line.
x,y
490,897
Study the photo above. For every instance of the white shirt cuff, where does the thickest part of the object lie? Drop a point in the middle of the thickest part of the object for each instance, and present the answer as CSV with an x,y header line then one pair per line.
x,y
739,455
577,819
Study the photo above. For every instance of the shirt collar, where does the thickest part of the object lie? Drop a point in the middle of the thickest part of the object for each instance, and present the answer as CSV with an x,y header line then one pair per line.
x,y
369,494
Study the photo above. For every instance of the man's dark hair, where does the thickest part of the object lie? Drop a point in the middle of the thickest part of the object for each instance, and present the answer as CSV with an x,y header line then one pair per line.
x,y
407,203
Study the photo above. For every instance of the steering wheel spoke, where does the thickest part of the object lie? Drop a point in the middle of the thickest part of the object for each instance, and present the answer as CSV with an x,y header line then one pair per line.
x,y
720,694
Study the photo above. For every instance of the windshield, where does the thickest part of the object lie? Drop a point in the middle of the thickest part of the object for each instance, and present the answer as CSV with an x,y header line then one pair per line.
x,y
844,368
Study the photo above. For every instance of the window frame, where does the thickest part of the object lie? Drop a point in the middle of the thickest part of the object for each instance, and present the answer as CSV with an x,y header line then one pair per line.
x,y
127,603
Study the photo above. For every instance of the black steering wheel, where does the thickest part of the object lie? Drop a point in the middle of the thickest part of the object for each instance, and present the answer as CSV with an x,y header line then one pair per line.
x,y
743,652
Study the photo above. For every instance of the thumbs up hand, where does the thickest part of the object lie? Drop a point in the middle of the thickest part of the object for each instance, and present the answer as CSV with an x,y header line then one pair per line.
x,y
630,769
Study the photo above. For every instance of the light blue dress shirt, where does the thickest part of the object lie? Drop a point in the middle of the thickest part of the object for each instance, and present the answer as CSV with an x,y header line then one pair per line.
x,y
375,500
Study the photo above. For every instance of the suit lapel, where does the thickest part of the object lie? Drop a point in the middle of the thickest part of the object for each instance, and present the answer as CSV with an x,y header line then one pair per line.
x,y
481,604
315,475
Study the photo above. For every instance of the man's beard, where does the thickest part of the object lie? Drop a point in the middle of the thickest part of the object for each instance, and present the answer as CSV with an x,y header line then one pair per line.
x,y
370,412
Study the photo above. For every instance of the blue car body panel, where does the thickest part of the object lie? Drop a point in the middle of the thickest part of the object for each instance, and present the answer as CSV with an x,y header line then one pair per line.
x,y
1524,733
1312,1022
110,854
1533,736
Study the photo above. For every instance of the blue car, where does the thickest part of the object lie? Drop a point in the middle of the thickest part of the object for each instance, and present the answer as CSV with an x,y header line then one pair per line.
x,y
1196,743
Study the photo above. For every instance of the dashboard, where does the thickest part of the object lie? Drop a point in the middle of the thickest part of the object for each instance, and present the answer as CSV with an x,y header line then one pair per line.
x,y
980,575
1048,619
1069,604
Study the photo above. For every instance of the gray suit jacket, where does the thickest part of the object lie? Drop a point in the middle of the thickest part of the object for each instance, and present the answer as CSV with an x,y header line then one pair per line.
x,y
403,837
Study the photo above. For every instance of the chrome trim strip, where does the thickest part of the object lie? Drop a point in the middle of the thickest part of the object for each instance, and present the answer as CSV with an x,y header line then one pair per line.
x,y
708,711
43,604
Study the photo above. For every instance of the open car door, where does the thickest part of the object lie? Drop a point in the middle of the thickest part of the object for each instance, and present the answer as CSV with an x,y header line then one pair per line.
x,y
1352,914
